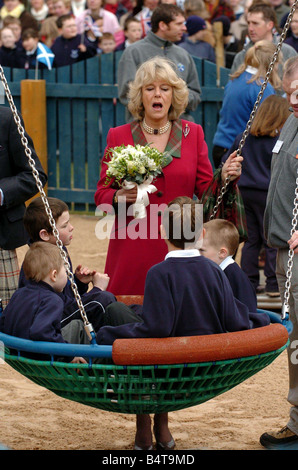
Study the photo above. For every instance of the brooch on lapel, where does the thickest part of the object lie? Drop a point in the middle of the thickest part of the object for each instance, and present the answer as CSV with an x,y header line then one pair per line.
x,y
186,130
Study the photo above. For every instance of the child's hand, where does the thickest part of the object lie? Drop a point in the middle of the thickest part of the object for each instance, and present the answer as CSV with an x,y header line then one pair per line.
x,y
101,280
85,274
82,47
79,360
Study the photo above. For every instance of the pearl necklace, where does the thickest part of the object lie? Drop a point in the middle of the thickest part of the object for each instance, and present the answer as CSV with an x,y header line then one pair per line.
x,y
151,130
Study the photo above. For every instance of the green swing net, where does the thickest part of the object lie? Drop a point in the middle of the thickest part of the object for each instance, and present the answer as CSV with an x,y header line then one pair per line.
x,y
150,375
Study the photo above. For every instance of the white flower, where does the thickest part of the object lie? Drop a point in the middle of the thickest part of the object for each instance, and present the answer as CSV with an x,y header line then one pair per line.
x,y
134,163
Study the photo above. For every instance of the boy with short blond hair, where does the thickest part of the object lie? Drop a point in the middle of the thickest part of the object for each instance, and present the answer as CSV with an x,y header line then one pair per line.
x,y
35,311
106,43
220,244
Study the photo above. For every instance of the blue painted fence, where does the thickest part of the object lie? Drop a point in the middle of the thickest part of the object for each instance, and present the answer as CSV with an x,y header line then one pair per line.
x,y
82,105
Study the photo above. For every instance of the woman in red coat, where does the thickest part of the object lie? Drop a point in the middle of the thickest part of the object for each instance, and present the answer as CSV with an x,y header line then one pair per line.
x,y
157,99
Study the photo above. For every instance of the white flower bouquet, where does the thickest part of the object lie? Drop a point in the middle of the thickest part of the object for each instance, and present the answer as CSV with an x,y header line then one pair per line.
x,y
130,165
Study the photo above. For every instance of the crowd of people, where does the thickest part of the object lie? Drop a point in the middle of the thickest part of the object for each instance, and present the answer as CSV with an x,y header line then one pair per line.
x,y
74,30
159,85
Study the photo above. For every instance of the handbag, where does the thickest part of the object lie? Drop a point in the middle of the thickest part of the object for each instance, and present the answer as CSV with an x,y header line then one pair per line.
x,y
231,207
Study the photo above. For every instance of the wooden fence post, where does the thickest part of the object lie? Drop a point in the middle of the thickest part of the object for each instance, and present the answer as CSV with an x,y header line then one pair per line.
x,y
34,113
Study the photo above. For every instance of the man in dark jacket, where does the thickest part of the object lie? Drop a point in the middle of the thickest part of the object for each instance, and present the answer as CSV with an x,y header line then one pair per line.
x,y
17,185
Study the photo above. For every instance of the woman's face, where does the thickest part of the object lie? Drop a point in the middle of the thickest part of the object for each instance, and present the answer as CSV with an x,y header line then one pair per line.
x,y
157,100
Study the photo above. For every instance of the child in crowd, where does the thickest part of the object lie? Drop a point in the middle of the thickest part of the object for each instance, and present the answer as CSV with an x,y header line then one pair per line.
x,y
106,43
132,31
15,25
185,295
94,30
9,54
97,299
220,244
30,39
70,47
292,40
35,311
194,43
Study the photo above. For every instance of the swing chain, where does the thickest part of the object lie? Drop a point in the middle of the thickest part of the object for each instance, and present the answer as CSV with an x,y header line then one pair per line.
x,y
24,140
256,105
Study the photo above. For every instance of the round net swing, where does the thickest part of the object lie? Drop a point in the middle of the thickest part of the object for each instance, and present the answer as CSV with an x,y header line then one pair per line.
x,y
151,375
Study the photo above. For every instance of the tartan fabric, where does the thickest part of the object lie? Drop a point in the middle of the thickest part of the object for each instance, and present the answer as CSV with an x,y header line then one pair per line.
x,y
9,274
173,147
231,207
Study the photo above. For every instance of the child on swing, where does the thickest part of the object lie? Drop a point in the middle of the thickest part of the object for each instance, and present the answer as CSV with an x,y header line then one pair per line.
x,y
35,310
220,244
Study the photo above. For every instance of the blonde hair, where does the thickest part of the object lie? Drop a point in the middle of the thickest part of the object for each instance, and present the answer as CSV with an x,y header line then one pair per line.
x,y
271,116
259,56
40,260
150,71
220,233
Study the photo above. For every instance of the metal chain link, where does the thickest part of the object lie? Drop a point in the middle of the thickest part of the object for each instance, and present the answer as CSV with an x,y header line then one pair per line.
x,y
24,140
256,105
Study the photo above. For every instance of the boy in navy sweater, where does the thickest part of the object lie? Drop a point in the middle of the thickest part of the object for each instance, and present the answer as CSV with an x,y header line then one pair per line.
x,y
35,311
95,301
186,294
71,47
220,244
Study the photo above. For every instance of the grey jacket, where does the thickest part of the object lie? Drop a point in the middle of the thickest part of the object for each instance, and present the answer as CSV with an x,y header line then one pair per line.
x,y
287,52
148,48
280,200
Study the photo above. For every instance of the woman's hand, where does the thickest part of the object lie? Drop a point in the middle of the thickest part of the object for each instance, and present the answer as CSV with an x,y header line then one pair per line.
x,y
130,195
232,167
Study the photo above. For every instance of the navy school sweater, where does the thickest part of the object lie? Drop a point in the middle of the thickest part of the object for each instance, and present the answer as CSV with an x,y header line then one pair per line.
x,y
34,312
67,50
185,297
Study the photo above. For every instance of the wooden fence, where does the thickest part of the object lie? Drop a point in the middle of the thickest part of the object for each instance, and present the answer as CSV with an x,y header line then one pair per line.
x,y
82,105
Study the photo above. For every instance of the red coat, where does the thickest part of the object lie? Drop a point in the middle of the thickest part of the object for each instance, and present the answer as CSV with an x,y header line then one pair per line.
x,y
190,172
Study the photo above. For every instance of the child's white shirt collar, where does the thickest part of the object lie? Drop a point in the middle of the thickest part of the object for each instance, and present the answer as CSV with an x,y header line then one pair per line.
x,y
183,253
226,262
